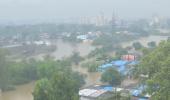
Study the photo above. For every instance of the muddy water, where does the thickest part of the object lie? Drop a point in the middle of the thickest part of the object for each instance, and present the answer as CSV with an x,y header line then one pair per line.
x,y
65,49
24,92
91,78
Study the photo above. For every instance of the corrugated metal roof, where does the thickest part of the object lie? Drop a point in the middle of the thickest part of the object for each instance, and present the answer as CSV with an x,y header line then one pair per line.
x,y
91,92
86,92
98,93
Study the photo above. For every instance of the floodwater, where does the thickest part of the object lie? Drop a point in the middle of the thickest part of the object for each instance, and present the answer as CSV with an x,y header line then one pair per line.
x,y
24,92
91,78
65,49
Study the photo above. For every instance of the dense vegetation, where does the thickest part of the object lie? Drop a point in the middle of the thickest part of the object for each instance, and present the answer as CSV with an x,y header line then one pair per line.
x,y
75,58
63,85
55,29
110,39
15,73
156,65
92,66
137,45
151,44
33,30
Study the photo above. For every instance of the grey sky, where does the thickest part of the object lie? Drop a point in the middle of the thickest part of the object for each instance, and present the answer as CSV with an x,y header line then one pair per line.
x,y
59,9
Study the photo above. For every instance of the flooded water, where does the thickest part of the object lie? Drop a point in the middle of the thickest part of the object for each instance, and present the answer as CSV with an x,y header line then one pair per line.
x,y
65,49
91,78
24,92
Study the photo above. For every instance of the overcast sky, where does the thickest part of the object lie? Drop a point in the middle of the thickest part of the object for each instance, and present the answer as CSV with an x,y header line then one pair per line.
x,y
61,9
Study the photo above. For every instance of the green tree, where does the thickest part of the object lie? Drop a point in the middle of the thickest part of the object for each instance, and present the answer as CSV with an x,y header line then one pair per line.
x,y
112,76
121,51
152,44
58,82
91,65
76,58
62,86
137,45
41,91
157,66
4,76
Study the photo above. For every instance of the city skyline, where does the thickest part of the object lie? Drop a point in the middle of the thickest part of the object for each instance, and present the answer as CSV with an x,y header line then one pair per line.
x,y
59,11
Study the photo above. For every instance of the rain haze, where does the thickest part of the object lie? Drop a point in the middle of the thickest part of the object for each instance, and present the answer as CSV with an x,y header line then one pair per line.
x,y
57,10
84,49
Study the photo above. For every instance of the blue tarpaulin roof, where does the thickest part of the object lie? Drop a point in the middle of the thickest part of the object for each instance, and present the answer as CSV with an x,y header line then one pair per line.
x,y
121,68
119,62
104,66
138,91
108,88
142,99
133,63
120,65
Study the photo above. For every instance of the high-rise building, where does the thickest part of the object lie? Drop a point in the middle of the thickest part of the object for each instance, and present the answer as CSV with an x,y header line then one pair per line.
x,y
113,20
101,19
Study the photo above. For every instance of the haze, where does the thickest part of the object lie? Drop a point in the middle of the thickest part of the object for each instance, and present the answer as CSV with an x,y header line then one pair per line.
x,y
55,10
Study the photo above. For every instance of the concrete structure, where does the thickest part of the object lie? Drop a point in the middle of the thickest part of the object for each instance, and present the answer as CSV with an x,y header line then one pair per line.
x,y
129,57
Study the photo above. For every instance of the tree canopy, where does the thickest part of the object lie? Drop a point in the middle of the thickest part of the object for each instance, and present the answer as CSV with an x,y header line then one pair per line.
x,y
156,65
137,45
57,81
151,44
112,76
61,86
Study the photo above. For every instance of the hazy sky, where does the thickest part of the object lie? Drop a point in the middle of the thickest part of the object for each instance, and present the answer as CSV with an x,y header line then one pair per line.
x,y
61,9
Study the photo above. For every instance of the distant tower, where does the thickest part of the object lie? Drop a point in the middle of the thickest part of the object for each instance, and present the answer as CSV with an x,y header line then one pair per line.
x,y
155,22
102,18
113,20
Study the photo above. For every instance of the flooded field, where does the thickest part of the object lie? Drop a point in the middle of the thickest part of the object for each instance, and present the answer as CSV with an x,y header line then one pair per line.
x,y
65,49
24,92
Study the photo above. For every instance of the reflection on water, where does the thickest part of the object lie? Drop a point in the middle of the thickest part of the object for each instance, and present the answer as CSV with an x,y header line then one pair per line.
x,y
23,92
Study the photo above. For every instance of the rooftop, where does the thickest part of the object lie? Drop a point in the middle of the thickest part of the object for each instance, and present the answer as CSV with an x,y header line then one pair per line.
x,y
91,92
